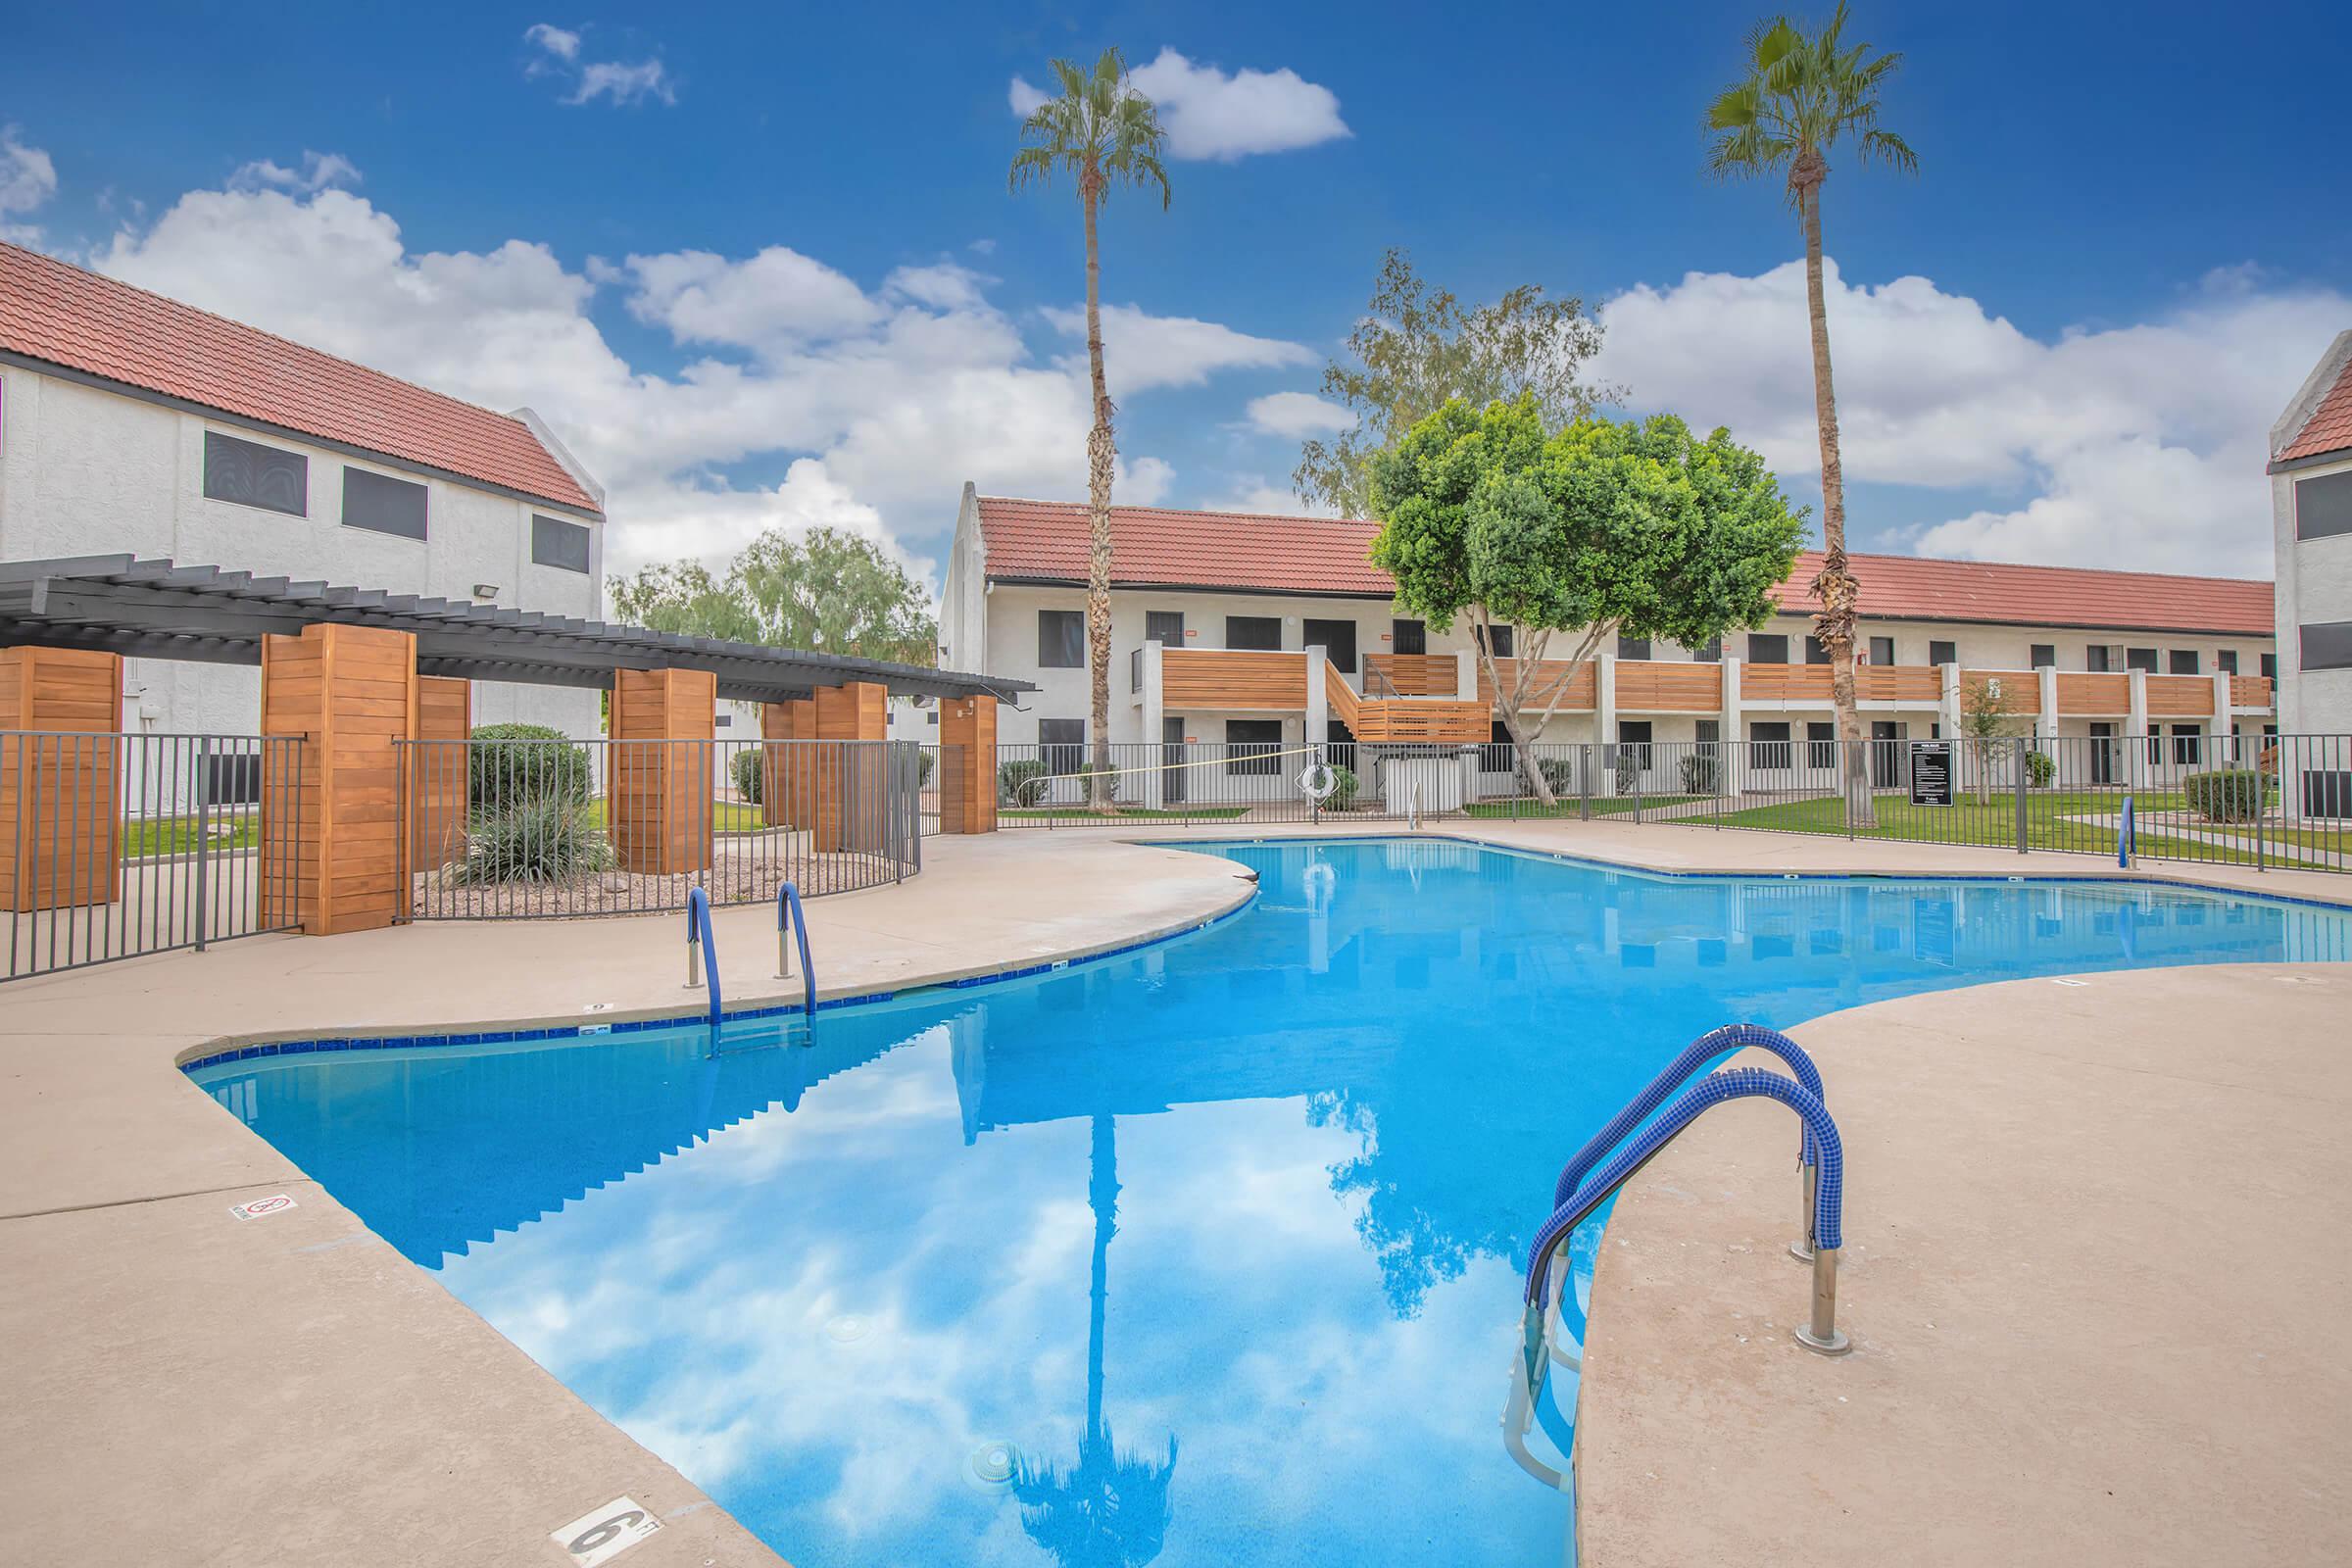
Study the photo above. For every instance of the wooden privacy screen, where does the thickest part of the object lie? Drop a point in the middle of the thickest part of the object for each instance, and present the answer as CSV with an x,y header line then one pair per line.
x,y
967,782
850,779
660,792
1417,674
1339,697
60,794
439,776
1426,721
1574,696
788,773
2106,694
1223,679
1644,687
349,692
2179,696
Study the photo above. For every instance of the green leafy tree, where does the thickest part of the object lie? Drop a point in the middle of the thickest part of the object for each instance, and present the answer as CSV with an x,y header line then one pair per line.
x,y
1988,716
1604,528
1415,347
1802,95
1101,134
826,589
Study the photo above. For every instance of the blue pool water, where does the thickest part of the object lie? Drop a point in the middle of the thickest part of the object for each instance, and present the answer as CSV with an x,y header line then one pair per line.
x,y
1203,1254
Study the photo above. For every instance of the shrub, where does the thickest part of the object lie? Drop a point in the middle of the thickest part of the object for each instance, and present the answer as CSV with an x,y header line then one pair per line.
x,y
509,763
1344,785
1559,772
1021,782
750,776
2228,794
1701,772
2041,769
548,839
1629,767
923,772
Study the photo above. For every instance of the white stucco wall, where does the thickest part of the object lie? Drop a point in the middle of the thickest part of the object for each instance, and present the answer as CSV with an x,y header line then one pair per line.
x,y
2315,586
88,471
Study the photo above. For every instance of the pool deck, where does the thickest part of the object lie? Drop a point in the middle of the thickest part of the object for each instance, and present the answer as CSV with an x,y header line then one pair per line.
x,y
194,1389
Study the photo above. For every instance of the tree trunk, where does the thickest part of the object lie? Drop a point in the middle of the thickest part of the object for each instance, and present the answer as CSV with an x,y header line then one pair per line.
x,y
1834,586
1099,451
1506,709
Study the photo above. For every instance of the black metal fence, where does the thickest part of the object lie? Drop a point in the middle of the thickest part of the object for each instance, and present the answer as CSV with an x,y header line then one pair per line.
x,y
522,829
2282,801
118,844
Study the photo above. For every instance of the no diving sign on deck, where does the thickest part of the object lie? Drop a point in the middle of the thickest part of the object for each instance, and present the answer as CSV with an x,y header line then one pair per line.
x,y
605,1534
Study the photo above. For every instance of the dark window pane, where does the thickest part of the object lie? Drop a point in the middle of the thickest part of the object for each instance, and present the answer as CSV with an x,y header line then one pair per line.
x,y
2225,659
1942,653
2184,661
1632,646
2187,740
2324,506
1410,637
1710,731
1164,626
382,505
2140,658
1821,745
1815,653
234,779
1061,639
1061,743
1882,649
2269,667
1767,648
2327,644
2045,656
252,474
1501,638
1768,743
1633,740
1261,633
2097,658
558,544
1337,639
1250,745
1709,653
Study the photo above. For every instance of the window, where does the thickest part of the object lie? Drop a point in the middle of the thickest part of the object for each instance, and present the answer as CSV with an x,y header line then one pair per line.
x,y
381,504
1768,744
2269,667
2183,662
1710,732
2045,656
1815,653
932,719
1633,740
1164,626
2140,658
1250,745
1709,652
234,778
1337,639
1495,756
722,721
2097,658
1408,637
1061,742
558,544
2225,659
1061,639
1632,647
1501,638
1941,652
1882,649
1260,632
2187,742
2324,507
2326,645
252,474
1821,746
1767,648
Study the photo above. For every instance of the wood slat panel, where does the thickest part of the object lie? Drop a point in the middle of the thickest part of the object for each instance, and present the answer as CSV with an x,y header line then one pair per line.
x,y
2250,691
1196,678
1430,721
2020,689
1644,687
1786,683
2179,696
64,799
1582,676
1417,674
2101,696
1898,683
1340,697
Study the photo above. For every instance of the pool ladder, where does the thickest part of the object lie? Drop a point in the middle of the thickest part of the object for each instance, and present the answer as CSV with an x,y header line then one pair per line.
x,y
1586,1183
702,947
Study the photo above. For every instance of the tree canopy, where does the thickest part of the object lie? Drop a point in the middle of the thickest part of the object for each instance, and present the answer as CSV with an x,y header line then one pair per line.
x,y
828,590
1415,347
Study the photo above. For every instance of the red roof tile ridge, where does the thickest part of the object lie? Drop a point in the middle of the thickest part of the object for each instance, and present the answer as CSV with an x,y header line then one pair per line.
x,y
2032,565
1186,512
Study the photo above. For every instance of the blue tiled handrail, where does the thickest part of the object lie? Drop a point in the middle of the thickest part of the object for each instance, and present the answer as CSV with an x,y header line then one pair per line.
x,y
1705,1048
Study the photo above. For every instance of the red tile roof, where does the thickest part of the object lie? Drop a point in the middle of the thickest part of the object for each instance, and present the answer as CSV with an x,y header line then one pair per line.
x,y
1046,541
62,314
2330,428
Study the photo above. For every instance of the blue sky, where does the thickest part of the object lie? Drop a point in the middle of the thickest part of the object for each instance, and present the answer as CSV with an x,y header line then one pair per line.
x,y
761,263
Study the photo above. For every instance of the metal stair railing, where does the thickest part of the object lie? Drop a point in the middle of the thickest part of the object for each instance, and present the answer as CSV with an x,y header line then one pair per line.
x,y
702,948
792,921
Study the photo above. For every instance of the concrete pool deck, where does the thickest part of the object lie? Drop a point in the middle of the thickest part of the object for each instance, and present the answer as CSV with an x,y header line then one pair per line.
x,y
282,1390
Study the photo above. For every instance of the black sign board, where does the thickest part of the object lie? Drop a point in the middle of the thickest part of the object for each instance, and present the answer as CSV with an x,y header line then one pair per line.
x,y
1930,772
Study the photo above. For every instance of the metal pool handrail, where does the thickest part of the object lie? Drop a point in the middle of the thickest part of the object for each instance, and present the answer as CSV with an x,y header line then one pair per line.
x,y
701,946
1732,1083
1705,1048
791,918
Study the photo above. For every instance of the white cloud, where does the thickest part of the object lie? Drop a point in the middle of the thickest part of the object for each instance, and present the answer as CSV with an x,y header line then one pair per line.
x,y
1212,114
1208,113
1142,351
558,55
27,179
1257,493
319,172
2140,445
875,405
1299,415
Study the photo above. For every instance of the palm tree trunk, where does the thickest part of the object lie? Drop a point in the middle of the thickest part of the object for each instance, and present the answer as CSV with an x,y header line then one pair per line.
x,y
1103,1196
1835,586
1099,451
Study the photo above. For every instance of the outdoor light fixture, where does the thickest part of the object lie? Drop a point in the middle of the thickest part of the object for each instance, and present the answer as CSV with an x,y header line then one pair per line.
x,y
485,590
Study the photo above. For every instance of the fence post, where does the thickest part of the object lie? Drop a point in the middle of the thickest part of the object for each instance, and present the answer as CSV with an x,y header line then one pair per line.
x,y
1641,766
2021,794
203,901
1584,782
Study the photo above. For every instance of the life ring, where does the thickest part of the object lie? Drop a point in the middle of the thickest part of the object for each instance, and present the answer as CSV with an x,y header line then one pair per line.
x,y
1317,781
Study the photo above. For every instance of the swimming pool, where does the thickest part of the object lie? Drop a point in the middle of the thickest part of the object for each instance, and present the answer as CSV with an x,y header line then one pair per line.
x,y
1206,1254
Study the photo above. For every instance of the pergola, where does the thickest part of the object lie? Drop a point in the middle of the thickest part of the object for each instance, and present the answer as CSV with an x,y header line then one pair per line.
x,y
354,670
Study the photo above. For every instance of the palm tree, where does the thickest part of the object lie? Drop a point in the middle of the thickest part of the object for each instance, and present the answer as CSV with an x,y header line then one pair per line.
x,y
1802,95
1101,132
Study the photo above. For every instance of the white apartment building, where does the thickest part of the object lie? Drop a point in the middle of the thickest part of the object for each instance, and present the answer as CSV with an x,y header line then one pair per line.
x,y
133,423
1215,616
2311,512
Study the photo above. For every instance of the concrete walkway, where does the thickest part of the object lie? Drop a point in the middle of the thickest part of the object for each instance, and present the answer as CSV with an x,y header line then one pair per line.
x,y
191,1389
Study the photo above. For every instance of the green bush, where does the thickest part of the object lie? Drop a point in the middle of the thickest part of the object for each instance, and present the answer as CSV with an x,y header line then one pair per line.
x,y
1021,782
923,773
2228,794
1701,770
1629,766
750,776
1559,772
2041,769
510,764
1344,785
548,839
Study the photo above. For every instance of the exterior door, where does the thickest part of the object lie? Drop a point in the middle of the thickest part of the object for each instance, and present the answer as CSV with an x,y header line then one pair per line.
x,y
1887,752
1171,749
1338,641
2102,752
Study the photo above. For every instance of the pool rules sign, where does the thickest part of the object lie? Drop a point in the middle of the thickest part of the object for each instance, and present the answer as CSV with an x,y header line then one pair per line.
x,y
1930,772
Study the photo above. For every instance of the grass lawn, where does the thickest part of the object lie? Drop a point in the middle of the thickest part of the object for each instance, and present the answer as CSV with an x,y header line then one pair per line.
x,y
177,835
1570,805
1081,813
726,816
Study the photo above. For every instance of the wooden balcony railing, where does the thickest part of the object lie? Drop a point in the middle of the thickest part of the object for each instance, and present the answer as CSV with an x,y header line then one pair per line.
x,y
1644,687
1345,705
2250,691
2018,690
2179,696
1416,674
2103,696
1901,683
1576,697
1785,683
1426,721
1211,678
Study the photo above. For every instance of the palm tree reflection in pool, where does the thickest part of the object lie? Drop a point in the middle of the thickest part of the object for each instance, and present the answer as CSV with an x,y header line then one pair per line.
x,y
1110,1509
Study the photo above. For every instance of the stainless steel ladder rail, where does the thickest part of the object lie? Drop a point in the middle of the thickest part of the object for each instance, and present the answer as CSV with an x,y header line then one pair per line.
x,y
793,922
